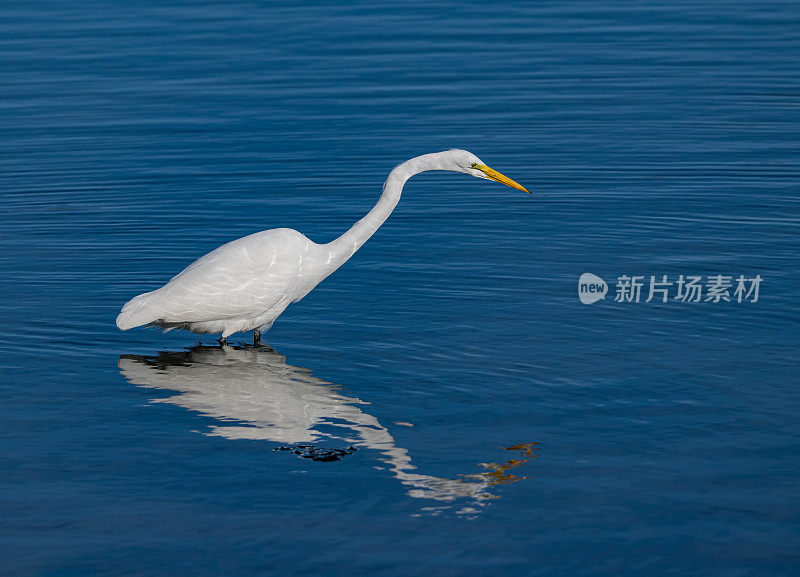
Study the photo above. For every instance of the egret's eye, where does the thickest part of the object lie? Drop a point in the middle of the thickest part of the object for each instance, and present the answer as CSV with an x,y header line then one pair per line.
x,y
474,165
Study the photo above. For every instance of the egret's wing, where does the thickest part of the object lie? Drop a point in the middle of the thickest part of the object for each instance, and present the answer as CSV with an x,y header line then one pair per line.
x,y
243,278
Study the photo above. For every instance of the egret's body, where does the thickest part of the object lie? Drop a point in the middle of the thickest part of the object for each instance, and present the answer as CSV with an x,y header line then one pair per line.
x,y
246,284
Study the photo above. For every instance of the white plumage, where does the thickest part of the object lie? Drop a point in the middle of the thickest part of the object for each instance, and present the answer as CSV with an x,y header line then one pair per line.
x,y
247,283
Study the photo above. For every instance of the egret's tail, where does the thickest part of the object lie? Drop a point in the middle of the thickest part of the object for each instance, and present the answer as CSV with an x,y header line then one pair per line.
x,y
136,312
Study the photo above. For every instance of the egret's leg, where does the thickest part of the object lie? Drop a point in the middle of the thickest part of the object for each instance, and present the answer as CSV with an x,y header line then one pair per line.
x,y
256,338
222,341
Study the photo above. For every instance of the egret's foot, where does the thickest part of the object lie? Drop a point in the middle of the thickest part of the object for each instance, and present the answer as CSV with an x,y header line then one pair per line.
x,y
256,338
222,341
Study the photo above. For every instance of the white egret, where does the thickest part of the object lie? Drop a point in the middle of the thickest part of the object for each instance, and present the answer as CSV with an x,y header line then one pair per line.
x,y
247,283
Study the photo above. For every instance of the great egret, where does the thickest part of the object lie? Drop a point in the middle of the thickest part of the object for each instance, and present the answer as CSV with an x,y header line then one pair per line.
x,y
247,283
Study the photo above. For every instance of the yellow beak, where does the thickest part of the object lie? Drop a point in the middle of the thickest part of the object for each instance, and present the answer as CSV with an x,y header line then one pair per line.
x,y
501,178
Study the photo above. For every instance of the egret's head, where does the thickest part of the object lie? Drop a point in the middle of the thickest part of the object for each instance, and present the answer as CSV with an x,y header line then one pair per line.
x,y
466,162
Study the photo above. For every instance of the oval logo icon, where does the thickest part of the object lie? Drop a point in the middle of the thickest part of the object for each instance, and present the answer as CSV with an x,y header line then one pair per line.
x,y
591,288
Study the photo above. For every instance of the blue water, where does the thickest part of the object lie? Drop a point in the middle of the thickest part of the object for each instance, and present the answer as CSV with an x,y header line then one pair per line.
x,y
443,404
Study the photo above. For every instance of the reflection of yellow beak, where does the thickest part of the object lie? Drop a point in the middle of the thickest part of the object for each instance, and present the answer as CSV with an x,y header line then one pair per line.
x,y
494,175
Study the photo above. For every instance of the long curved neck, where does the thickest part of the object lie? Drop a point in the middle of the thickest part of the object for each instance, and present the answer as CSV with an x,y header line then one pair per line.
x,y
346,245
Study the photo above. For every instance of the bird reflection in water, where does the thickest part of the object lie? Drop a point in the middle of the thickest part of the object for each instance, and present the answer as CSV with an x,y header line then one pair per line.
x,y
270,400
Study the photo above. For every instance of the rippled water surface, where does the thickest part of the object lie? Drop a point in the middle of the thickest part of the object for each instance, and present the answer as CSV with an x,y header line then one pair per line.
x,y
443,404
